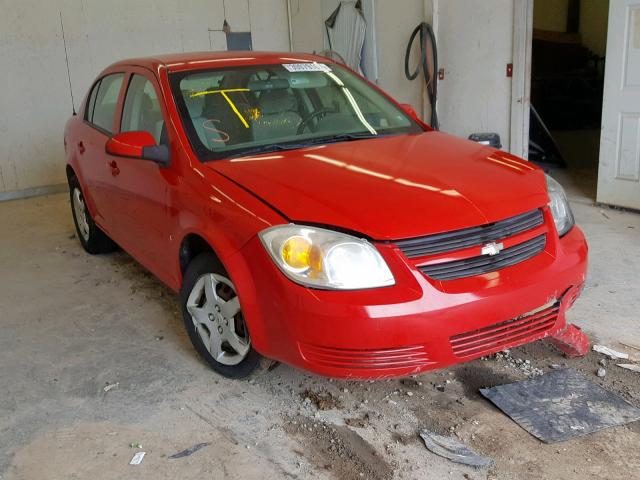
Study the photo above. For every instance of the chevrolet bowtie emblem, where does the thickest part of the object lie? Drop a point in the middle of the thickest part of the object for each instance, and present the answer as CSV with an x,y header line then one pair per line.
x,y
492,248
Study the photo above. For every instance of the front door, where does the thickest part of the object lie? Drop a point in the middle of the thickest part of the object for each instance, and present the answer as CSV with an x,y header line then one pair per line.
x,y
619,171
140,187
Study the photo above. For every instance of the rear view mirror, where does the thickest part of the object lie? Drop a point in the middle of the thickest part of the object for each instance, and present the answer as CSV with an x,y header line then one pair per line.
x,y
140,145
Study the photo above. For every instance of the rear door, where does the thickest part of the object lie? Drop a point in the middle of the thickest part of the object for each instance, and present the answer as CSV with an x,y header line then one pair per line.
x,y
139,187
619,171
99,124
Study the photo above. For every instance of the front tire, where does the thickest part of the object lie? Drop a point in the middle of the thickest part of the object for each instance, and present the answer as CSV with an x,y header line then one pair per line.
x,y
213,319
93,239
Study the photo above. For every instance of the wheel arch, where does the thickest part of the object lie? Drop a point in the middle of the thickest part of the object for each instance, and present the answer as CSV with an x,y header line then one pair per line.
x,y
86,192
70,172
194,243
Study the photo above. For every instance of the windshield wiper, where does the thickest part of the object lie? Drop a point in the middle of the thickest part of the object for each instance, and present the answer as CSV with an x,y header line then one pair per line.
x,y
273,147
277,147
343,137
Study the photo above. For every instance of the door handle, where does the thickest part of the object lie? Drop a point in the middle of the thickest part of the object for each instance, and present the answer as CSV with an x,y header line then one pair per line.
x,y
81,147
114,168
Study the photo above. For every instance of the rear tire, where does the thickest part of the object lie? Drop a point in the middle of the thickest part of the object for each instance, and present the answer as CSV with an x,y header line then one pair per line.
x,y
92,239
213,319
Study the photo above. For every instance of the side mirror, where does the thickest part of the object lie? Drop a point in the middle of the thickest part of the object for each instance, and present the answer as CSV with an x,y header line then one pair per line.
x,y
489,139
140,145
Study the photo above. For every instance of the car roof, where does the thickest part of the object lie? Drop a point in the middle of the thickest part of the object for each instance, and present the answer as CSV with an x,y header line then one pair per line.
x,y
200,60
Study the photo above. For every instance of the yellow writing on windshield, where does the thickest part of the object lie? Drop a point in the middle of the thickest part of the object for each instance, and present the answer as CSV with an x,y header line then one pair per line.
x,y
224,92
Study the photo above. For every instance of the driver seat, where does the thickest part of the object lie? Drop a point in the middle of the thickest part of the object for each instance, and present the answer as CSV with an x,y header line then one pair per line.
x,y
278,116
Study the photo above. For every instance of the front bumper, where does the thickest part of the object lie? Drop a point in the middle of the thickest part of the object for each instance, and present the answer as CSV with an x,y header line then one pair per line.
x,y
418,324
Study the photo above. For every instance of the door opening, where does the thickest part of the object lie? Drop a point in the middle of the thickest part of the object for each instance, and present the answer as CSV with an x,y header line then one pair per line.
x,y
567,80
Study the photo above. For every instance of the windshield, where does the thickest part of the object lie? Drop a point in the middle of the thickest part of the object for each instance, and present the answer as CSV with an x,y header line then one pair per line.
x,y
226,112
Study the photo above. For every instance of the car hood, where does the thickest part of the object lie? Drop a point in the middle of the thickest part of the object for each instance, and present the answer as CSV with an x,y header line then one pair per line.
x,y
392,187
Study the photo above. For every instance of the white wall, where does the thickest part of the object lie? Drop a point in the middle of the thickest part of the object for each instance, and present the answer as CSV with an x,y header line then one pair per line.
x,y
307,26
395,21
35,96
475,44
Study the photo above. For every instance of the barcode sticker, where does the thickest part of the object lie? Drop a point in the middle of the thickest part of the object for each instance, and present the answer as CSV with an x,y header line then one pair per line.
x,y
306,67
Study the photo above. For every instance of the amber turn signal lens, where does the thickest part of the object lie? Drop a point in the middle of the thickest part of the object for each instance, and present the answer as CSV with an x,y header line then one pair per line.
x,y
300,254
296,252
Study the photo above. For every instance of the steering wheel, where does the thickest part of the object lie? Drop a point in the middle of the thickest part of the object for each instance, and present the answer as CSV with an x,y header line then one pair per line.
x,y
306,120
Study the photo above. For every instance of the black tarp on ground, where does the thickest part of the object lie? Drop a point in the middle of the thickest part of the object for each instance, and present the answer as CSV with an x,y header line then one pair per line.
x,y
561,405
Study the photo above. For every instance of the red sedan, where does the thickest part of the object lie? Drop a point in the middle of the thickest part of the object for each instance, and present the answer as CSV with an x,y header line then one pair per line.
x,y
305,216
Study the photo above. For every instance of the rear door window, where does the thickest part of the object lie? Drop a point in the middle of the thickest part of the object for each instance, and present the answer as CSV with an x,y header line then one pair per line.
x,y
106,99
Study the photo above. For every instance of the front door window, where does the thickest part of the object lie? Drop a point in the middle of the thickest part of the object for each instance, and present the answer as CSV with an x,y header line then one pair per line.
x,y
141,110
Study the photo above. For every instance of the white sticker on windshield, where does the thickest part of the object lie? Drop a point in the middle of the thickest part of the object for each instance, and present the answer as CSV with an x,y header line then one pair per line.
x,y
306,67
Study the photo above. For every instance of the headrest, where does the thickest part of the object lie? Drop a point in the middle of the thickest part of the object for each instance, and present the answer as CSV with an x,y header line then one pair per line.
x,y
276,101
145,101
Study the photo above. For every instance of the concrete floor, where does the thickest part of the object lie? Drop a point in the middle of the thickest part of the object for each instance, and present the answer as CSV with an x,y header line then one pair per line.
x,y
73,323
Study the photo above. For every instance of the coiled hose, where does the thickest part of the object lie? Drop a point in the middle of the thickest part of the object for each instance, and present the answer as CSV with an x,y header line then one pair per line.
x,y
429,64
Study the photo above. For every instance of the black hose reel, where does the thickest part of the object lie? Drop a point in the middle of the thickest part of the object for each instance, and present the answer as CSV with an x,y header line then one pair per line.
x,y
428,63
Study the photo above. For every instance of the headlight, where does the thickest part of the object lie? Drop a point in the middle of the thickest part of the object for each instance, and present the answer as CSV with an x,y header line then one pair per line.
x,y
326,259
559,205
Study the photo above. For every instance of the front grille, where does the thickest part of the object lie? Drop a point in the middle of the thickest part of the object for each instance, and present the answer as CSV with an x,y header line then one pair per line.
x,y
411,356
509,333
484,263
469,237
